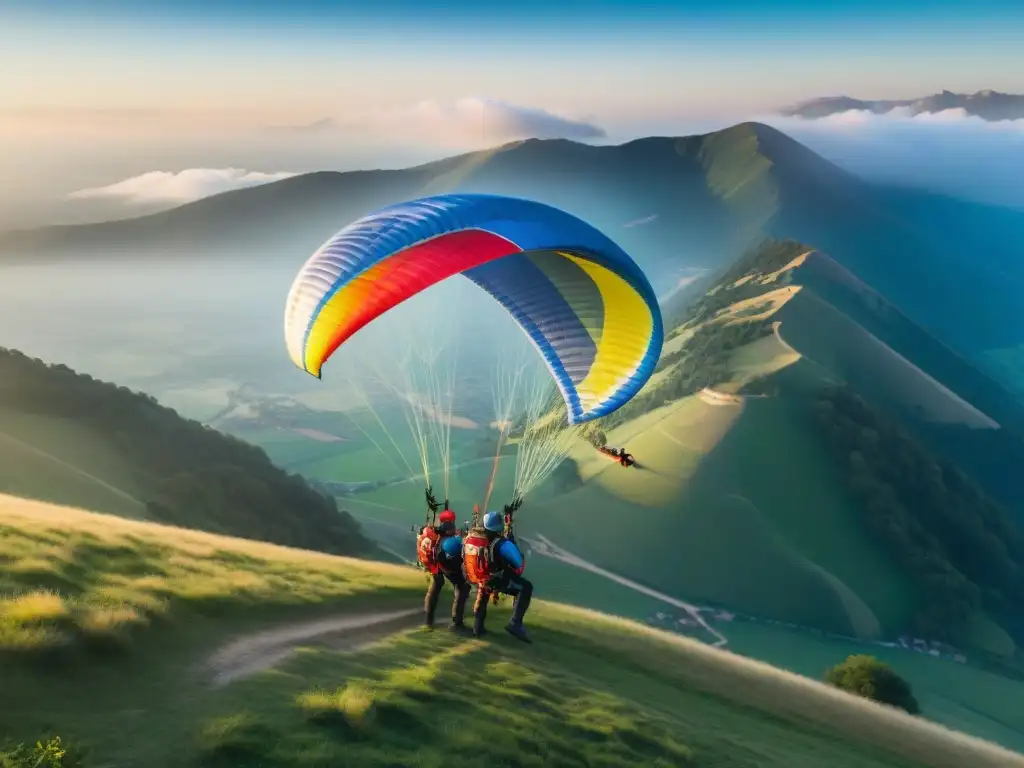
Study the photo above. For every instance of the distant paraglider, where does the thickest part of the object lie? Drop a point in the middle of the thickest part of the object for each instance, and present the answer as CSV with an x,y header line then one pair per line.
x,y
584,304
618,454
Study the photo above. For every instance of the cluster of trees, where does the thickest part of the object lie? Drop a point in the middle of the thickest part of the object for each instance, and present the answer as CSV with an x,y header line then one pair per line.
x,y
764,258
767,257
196,476
703,360
962,550
594,435
870,678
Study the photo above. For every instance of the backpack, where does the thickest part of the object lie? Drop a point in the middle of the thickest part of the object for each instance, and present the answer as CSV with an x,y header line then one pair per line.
x,y
478,557
426,548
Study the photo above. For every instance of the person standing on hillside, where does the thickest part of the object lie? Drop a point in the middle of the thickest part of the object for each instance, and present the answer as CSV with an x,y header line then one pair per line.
x,y
495,564
439,548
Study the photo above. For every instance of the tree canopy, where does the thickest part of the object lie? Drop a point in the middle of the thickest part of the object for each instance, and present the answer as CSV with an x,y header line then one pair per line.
x,y
870,678
194,476
962,550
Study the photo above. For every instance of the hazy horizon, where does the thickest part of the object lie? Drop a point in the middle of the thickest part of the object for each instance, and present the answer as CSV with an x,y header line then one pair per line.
x,y
135,109
949,153
119,91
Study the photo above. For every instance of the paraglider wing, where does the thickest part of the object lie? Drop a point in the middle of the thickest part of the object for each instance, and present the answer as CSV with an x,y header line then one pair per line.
x,y
583,302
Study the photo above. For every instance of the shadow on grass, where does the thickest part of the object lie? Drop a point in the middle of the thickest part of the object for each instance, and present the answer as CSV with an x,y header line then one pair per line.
x,y
420,698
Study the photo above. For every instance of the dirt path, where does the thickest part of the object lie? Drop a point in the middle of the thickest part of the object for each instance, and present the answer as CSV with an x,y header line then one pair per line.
x,y
251,653
72,468
543,546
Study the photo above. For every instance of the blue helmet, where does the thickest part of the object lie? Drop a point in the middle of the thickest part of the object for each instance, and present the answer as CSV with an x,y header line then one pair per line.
x,y
493,522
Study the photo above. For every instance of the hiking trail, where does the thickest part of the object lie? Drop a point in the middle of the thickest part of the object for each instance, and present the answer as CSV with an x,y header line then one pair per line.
x,y
253,652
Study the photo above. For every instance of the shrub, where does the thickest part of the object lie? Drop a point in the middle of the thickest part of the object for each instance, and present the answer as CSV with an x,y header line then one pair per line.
x,y
52,754
870,678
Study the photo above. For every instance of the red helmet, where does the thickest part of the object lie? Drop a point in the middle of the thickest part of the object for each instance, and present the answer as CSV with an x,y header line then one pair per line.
x,y
446,517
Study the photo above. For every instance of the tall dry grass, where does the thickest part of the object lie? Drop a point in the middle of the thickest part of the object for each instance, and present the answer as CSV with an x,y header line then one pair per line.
x,y
768,688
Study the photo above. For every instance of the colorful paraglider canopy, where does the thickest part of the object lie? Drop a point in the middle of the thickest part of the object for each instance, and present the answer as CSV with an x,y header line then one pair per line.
x,y
582,301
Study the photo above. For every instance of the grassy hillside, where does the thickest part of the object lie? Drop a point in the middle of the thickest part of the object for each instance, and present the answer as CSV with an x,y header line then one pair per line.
x,y
963,550
944,399
69,438
743,498
140,621
715,514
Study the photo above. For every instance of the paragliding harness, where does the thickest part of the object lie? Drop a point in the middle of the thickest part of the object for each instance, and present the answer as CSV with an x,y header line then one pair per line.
x,y
480,551
429,538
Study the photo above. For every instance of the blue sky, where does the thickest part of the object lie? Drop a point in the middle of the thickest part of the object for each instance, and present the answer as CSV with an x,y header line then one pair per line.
x,y
616,60
93,92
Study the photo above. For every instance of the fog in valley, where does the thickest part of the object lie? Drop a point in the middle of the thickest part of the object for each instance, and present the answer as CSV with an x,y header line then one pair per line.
x,y
190,331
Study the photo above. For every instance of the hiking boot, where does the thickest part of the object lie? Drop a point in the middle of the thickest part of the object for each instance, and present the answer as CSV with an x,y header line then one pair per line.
x,y
518,631
459,628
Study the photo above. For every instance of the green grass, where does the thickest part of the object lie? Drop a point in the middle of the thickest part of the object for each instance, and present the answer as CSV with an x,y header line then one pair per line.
x,y
956,695
714,515
959,696
70,582
834,340
760,457
592,690
59,461
365,462
296,453
358,459
760,358
419,700
986,635
466,487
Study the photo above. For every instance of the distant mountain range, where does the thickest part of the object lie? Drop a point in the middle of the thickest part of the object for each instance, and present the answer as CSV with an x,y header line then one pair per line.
x,y
988,105
675,204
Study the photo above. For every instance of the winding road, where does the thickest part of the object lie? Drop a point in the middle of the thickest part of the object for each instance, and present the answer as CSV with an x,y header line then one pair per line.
x,y
545,547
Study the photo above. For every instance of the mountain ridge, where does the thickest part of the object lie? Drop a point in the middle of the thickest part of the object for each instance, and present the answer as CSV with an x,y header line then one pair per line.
x,y
766,379
988,105
701,199
150,463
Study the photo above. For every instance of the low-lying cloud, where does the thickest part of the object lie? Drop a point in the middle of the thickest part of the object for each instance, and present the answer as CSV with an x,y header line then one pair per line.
x,y
640,222
181,187
948,152
457,123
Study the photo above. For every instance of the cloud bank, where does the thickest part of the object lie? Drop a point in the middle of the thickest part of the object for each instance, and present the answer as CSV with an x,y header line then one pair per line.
x,y
948,152
457,123
182,187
